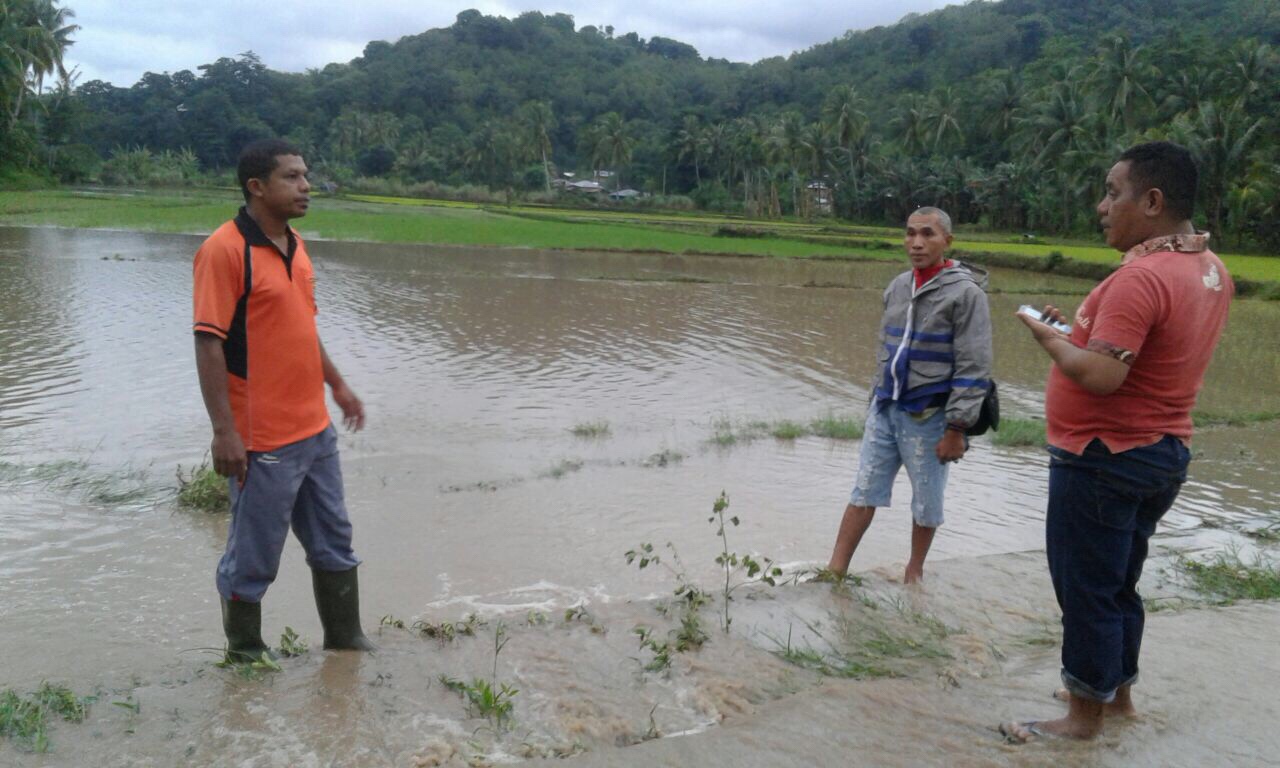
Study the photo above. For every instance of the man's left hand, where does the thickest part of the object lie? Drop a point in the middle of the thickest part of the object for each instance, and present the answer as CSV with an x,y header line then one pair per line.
x,y
352,408
951,447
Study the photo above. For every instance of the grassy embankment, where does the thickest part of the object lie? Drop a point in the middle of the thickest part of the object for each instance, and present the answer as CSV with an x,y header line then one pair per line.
x,y
402,220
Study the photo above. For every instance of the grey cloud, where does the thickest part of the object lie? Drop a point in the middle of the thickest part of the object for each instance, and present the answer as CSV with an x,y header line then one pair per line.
x,y
120,41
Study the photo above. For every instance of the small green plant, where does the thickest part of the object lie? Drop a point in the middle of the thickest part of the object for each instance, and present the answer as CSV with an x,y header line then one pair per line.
x,y
24,720
661,649
592,429
1019,432
490,698
203,489
392,622
291,644
1229,579
448,631
756,570
483,699
257,669
828,576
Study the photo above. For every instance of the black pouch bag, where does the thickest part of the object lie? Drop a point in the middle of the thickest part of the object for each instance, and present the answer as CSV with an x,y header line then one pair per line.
x,y
988,415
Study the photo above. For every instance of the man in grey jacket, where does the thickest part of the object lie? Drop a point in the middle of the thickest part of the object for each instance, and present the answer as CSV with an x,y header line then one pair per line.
x,y
934,371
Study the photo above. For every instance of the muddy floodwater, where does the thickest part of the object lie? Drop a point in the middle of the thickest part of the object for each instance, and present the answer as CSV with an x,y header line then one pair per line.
x,y
532,416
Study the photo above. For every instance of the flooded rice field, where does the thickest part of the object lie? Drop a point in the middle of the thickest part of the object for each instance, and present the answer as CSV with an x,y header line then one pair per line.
x,y
533,417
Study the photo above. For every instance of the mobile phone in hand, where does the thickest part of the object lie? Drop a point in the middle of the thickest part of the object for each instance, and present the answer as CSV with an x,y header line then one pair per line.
x,y
1034,314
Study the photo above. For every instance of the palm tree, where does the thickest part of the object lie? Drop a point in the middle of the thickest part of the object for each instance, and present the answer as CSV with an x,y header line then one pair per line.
x,y
612,143
786,146
1120,76
34,34
942,117
490,152
1056,130
536,124
848,122
1250,70
688,144
1003,103
714,143
1220,140
1187,89
912,124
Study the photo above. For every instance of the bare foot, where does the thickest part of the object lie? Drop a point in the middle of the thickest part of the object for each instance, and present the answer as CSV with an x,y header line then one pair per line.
x,y
1121,706
1023,731
913,575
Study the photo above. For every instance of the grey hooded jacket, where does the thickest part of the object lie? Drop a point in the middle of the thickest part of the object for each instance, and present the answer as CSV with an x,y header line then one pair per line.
x,y
935,340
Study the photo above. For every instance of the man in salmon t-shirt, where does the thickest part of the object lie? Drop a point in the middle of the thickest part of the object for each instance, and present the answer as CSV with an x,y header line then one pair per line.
x,y
1118,406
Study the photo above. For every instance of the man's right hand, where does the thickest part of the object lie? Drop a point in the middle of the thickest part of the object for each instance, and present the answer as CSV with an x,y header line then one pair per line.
x,y
229,456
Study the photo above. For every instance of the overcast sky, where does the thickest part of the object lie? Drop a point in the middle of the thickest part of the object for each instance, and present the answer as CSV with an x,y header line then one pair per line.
x,y
119,40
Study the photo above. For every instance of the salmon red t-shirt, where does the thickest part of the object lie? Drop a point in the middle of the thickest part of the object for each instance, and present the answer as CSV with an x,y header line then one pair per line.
x,y
1162,313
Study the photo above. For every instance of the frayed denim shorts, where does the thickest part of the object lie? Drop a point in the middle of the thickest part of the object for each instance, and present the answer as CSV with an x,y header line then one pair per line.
x,y
892,439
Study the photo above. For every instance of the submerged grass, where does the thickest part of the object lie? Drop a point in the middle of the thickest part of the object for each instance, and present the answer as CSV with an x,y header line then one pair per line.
x,y
1217,419
871,643
837,427
24,720
592,429
1227,578
1019,432
77,478
725,432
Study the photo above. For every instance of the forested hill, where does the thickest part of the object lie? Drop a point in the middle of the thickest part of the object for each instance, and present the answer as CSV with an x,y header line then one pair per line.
x,y
964,106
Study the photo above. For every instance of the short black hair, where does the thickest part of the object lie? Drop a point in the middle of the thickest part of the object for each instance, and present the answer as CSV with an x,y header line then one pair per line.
x,y
258,160
1169,168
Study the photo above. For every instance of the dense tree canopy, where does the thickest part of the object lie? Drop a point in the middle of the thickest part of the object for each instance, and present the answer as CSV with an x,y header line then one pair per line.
x,y
1006,112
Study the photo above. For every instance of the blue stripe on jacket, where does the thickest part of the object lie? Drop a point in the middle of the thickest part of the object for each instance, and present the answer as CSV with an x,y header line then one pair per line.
x,y
940,338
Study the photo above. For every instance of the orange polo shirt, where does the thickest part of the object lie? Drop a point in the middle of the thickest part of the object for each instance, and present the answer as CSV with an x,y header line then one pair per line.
x,y
261,303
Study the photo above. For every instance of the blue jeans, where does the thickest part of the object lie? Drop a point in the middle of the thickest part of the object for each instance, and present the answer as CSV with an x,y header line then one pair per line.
x,y
891,440
1103,508
295,486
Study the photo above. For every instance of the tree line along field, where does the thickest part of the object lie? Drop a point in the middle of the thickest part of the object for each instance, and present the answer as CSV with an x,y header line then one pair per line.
x,y
405,220
1007,114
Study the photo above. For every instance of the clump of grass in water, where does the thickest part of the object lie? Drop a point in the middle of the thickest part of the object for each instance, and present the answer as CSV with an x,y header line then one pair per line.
x,y
24,721
203,489
592,429
1229,579
837,427
1214,419
788,430
562,468
663,458
1019,432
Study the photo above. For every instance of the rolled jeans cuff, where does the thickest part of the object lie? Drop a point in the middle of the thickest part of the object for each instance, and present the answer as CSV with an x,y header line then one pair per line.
x,y
1082,690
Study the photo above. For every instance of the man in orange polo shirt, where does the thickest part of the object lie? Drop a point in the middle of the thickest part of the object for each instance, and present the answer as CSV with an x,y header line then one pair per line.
x,y
262,373
1118,408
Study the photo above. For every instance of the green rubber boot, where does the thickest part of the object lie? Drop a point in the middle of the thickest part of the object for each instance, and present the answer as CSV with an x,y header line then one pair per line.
x,y
242,621
338,601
